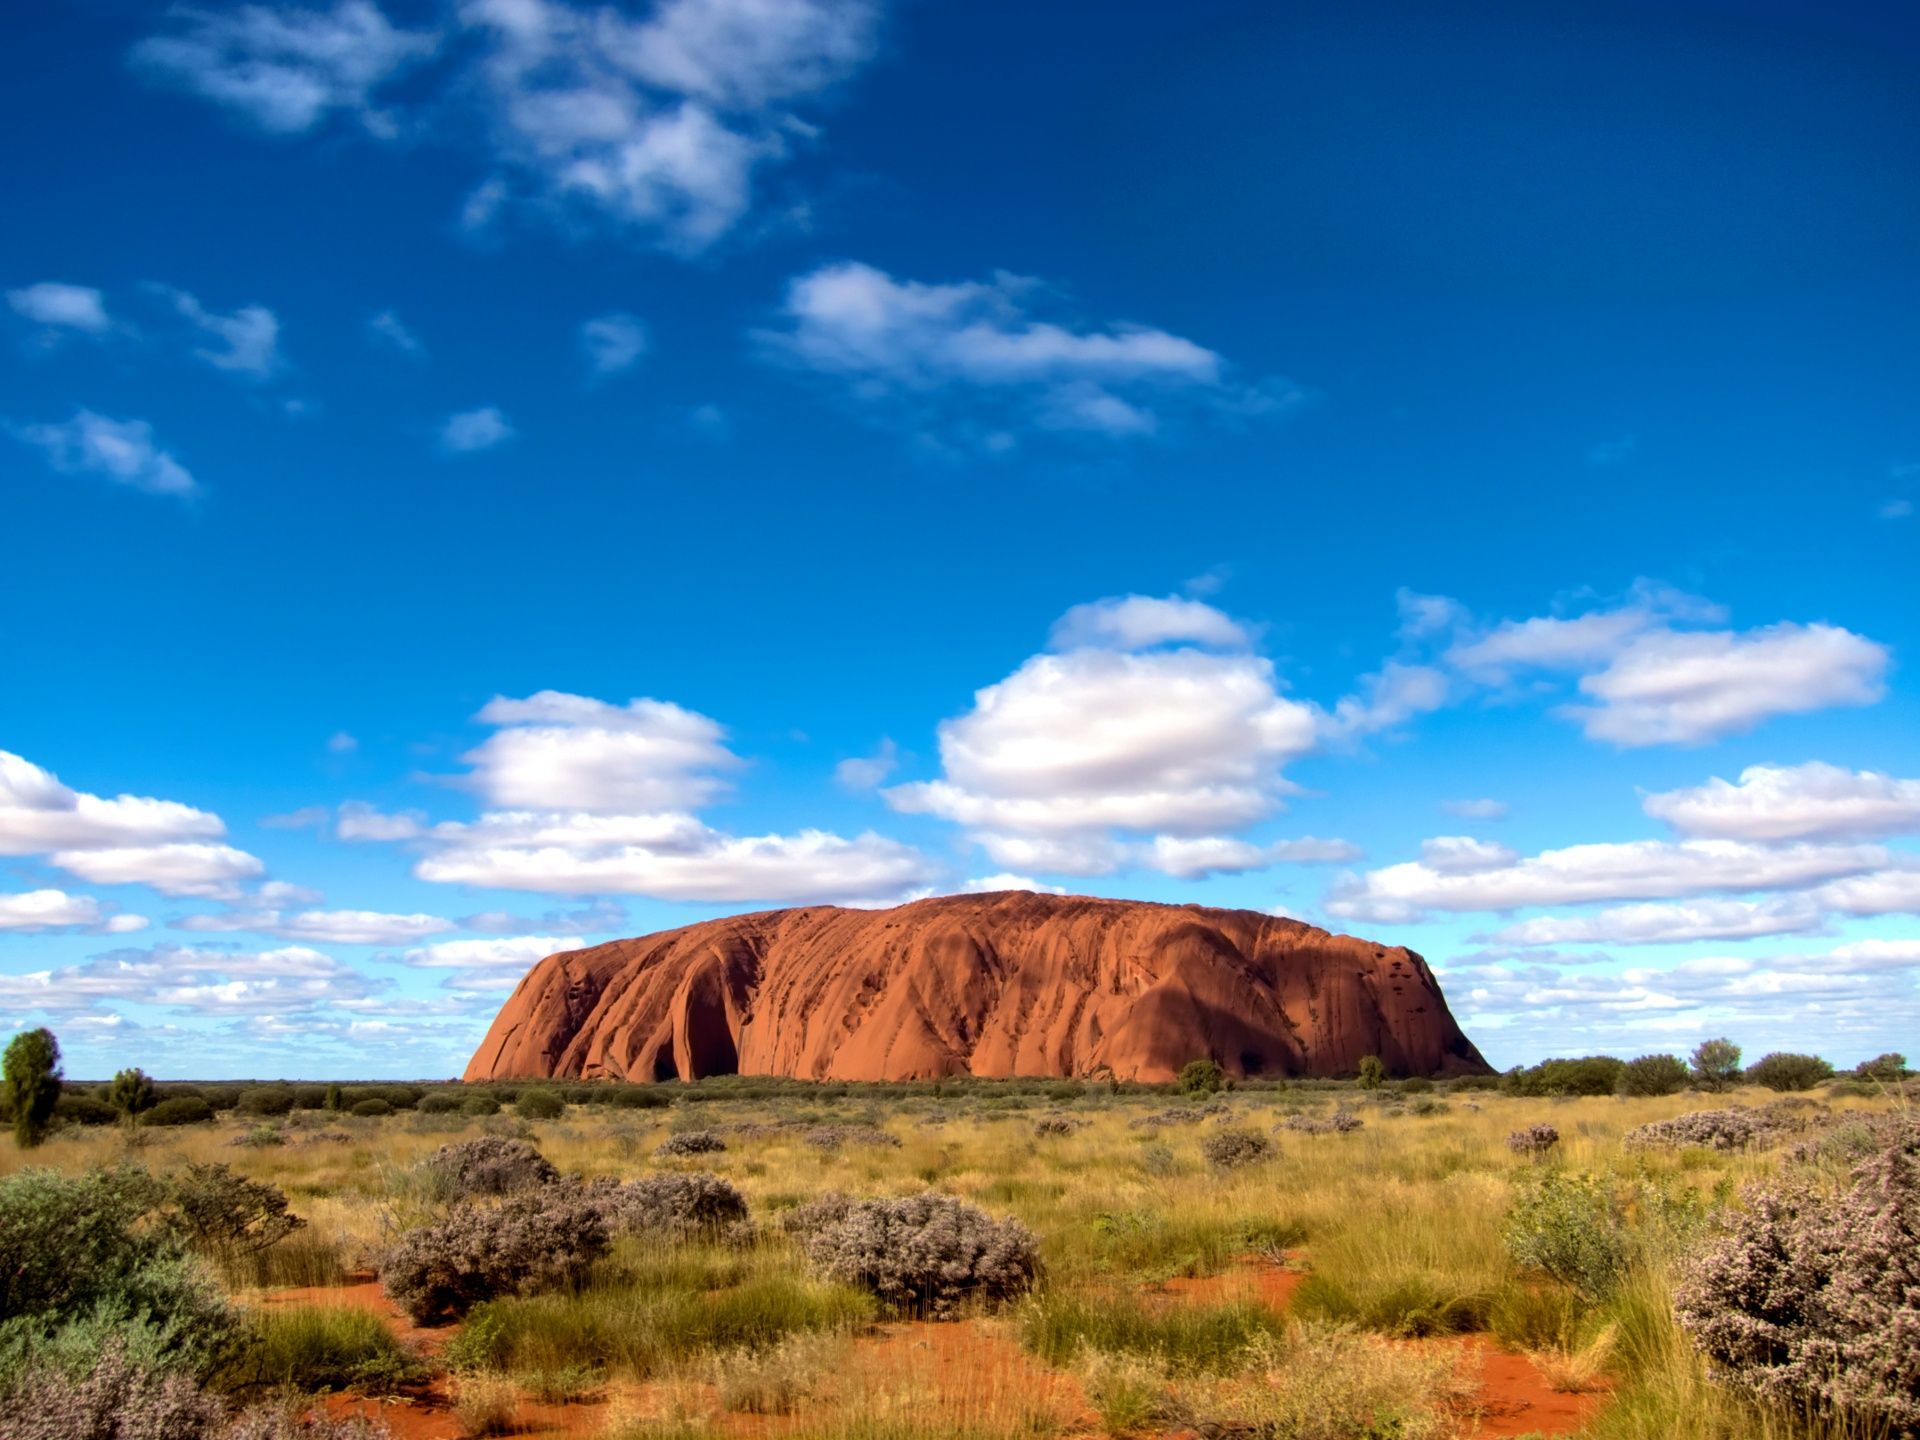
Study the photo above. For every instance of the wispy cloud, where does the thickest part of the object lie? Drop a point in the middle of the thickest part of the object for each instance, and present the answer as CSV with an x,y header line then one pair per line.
x,y
473,430
123,451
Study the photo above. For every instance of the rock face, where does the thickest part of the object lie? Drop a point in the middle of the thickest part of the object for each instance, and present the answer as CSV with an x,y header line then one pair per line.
x,y
991,985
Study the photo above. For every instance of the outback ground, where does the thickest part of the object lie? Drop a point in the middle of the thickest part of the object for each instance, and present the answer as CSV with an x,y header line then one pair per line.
x,y
1234,1264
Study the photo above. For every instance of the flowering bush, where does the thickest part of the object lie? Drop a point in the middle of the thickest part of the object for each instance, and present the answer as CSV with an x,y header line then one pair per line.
x,y
1052,1125
676,1202
1810,1300
1534,1140
922,1254
1709,1129
1230,1149
1340,1122
690,1142
544,1239
490,1165
113,1399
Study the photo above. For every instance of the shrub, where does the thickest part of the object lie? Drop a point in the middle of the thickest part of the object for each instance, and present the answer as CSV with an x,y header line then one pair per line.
x,y
227,1216
535,1240
673,1203
926,1254
540,1105
440,1102
371,1108
638,1097
1716,1064
1654,1075
490,1165
1415,1085
1055,1125
1372,1073
115,1399
83,1256
1709,1129
1783,1071
84,1110
690,1142
1340,1122
180,1110
479,1106
1533,1141
1887,1069
132,1092
298,1422
266,1100
1810,1302
1202,1077
1586,1230
1589,1075
32,1069
1230,1149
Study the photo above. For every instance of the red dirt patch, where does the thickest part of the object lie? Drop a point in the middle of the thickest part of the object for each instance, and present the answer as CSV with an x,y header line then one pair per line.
x,y
1515,1398
1250,1278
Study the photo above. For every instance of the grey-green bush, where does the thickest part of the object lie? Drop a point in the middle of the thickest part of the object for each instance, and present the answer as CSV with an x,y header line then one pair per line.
x,y
541,1239
925,1255
490,1165
1230,1149
674,1203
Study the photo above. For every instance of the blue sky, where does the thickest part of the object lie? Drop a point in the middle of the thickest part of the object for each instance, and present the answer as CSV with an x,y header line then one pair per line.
x,y
490,476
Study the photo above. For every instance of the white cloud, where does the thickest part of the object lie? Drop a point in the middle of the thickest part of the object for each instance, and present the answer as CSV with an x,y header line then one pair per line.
x,y
1884,892
361,821
1633,870
1578,642
1195,857
517,953
473,430
1689,688
121,450
285,68
685,860
292,980
660,123
62,307
386,328
207,871
36,911
1388,699
554,751
247,342
341,743
38,814
1656,924
945,353
1464,855
1476,809
992,884
868,772
357,927
1814,801
1141,622
613,342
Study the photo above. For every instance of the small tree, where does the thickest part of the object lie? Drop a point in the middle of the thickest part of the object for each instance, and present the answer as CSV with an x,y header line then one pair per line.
x,y
1654,1075
1202,1077
1373,1074
1784,1071
132,1092
336,1100
1716,1064
32,1068
1887,1069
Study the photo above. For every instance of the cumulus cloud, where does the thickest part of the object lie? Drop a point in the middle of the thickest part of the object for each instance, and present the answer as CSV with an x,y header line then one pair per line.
x,y
1894,891
1195,857
1577,874
992,884
517,953
469,431
1140,622
1814,801
123,451
974,357
38,814
205,871
62,307
285,68
293,980
1690,688
35,912
1656,924
327,927
554,751
613,342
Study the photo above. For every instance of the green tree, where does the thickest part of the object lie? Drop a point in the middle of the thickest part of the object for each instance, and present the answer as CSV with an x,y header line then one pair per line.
x,y
1373,1074
1202,1077
1654,1075
1888,1069
1783,1070
32,1068
336,1098
132,1092
1716,1064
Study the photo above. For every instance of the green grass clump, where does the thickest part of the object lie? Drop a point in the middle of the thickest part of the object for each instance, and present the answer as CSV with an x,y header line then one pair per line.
x,y
326,1347
1185,1338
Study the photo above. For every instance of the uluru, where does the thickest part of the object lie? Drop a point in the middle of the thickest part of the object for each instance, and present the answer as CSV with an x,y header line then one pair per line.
x,y
996,985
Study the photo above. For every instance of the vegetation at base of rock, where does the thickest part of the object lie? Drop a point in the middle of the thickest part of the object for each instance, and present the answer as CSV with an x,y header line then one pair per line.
x,y
925,1255
490,1165
544,1239
1201,1077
